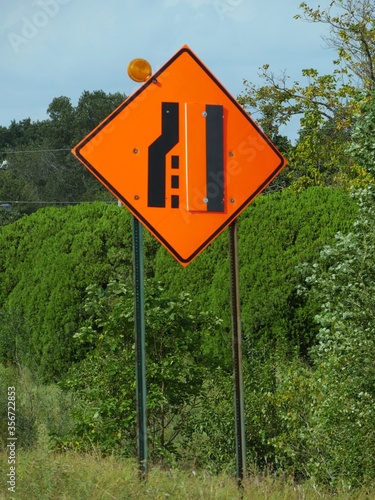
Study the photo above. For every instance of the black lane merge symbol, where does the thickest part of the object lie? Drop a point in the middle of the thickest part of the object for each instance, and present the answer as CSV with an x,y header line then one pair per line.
x,y
169,137
157,152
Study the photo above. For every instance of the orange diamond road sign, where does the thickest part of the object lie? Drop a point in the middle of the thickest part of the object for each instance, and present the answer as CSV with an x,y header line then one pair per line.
x,y
182,155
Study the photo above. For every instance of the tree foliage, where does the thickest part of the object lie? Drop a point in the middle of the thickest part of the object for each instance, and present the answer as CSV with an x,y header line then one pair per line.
x,y
47,260
56,325
276,233
105,380
307,285
352,35
327,407
343,282
40,167
342,420
326,104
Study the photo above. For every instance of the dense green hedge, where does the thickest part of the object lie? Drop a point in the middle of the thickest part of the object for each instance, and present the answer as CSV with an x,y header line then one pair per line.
x,y
276,234
48,259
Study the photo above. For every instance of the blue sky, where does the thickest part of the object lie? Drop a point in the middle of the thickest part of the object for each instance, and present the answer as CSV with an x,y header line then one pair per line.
x,y
50,48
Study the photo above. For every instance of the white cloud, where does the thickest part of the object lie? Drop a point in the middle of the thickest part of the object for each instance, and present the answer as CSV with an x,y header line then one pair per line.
x,y
193,3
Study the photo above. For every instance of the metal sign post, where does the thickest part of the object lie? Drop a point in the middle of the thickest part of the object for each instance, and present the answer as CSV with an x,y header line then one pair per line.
x,y
140,343
237,352
186,160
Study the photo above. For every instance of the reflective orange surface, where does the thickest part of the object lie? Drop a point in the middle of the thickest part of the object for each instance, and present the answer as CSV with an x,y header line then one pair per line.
x,y
117,152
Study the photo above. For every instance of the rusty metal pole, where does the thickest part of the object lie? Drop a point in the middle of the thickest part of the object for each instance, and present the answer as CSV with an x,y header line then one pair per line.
x,y
237,352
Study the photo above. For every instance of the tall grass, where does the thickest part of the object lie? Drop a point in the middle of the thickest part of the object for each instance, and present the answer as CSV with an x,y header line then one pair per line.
x,y
42,475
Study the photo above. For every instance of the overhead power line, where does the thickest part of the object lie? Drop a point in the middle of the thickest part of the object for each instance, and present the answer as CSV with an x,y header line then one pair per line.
x,y
34,151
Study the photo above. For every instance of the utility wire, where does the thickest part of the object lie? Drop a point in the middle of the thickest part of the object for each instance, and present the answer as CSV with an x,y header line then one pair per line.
x,y
34,151
302,129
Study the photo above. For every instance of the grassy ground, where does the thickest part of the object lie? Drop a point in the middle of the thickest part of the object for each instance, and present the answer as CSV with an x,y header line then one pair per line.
x,y
41,475
44,475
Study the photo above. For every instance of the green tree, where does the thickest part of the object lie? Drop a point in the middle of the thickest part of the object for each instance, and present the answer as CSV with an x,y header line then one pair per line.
x,y
105,380
22,133
37,175
352,35
326,107
47,261
325,103
92,108
276,233
61,124
342,431
40,166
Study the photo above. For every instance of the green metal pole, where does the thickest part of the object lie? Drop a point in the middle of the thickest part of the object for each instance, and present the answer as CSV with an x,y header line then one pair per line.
x,y
237,352
140,343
